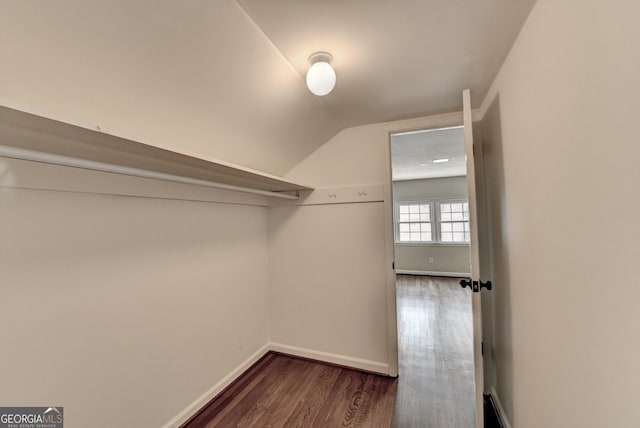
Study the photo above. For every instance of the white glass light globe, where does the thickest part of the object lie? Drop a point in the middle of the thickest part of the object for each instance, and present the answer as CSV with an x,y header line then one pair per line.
x,y
321,78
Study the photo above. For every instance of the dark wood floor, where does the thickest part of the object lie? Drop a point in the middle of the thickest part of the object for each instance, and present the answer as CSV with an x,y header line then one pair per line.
x,y
281,391
434,389
436,373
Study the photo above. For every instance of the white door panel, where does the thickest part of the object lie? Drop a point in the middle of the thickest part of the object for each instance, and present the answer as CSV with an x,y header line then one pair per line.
x,y
475,258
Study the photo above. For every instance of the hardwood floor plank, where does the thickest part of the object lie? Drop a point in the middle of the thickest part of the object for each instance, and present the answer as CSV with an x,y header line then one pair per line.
x,y
378,401
337,406
300,383
386,411
253,402
259,403
283,391
309,407
224,402
436,372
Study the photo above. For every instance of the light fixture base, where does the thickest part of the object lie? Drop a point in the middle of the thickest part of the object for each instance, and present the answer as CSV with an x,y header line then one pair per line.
x,y
320,57
321,77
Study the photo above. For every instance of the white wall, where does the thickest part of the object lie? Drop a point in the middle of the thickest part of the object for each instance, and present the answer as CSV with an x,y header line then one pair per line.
x,y
332,287
561,147
122,306
445,187
327,282
327,262
447,259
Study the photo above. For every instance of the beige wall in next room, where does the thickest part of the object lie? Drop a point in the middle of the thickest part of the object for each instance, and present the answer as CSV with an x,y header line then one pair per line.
x,y
434,259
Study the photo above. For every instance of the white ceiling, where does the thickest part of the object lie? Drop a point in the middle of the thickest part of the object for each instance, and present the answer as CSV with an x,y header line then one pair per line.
x,y
412,154
395,59
224,79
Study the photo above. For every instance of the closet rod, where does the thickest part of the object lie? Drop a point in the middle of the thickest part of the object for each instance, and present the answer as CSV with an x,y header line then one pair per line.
x,y
49,158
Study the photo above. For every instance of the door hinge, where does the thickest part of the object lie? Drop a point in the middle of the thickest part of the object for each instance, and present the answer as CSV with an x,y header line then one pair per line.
x,y
393,265
482,345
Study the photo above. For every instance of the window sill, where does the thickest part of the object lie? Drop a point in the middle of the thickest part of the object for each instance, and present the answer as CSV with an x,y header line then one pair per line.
x,y
432,244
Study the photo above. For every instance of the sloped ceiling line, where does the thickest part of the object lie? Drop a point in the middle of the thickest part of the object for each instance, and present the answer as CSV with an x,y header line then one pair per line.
x,y
208,77
273,45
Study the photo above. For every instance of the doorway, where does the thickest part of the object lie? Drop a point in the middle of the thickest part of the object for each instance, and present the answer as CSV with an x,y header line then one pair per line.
x,y
431,244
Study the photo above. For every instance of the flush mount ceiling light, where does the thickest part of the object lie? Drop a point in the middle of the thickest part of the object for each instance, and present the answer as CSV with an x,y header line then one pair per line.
x,y
321,77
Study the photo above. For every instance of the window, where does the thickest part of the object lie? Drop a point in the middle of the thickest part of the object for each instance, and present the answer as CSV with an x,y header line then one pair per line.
x,y
454,221
438,221
414,222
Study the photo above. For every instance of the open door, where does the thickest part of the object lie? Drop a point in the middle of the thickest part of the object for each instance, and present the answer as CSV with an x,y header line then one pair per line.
x,y
474,283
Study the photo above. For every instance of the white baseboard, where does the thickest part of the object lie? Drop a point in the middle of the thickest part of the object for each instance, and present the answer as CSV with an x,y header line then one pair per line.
x,y
341,360
432,273
216,389
500,409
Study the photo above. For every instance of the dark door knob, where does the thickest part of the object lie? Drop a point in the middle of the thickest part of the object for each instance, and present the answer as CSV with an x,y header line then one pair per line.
x,y
465,283
475,286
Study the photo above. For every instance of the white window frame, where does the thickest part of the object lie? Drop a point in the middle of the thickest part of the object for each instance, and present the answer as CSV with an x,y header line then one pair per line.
x,y
397,221
439,221
434,211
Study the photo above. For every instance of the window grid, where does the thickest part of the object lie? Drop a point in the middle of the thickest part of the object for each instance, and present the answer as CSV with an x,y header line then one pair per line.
x,y
437,221
414,222
454,221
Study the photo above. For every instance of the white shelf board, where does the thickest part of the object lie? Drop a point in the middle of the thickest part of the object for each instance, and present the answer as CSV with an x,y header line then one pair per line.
x,y
31,132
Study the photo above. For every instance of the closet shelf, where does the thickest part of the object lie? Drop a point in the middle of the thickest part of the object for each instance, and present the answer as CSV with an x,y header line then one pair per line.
x,y
28,136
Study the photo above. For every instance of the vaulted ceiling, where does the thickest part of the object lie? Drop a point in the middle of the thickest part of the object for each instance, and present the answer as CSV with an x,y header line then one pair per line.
x,y
395,59
225,80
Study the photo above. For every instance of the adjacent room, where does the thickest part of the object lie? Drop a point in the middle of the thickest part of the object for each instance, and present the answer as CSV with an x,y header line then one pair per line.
x,y
431,256
197,201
